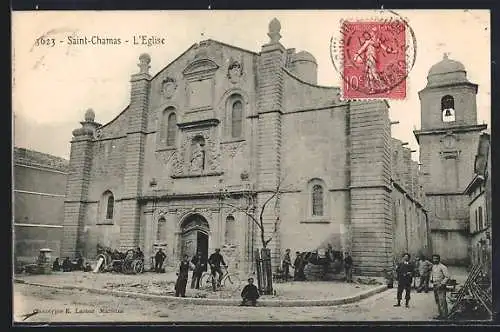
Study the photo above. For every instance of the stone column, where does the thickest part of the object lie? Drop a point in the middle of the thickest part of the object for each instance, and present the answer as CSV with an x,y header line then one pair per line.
x,y
136,137
75,205
270,95
148,237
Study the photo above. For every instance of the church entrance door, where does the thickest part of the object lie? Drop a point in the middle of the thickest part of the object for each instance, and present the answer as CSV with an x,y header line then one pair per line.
x,y
194,236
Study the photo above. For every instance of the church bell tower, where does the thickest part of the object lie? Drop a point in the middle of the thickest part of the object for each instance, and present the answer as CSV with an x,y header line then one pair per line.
x,y
448,141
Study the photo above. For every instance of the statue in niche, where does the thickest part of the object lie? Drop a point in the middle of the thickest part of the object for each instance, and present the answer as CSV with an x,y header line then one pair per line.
x,y
235,71
198,154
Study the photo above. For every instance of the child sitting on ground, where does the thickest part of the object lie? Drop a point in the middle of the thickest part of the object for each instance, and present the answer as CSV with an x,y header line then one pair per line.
x,y
250,294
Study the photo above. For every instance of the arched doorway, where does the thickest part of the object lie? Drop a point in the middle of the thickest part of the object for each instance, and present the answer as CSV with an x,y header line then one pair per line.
x,y
194,236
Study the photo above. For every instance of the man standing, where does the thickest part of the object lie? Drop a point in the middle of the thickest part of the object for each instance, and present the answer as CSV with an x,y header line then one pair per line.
x,y
439,278
348,267
56,266
139,254
216,261
182,277
250,294
404,271
200,266
424,270
299,265
286,263
159,258
66,265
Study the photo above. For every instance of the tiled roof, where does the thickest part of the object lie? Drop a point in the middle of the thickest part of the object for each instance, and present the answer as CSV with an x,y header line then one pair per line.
x,y
34,158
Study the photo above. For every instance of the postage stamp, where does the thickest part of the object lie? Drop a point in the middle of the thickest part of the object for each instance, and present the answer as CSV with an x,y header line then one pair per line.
x,y
374,56
374,60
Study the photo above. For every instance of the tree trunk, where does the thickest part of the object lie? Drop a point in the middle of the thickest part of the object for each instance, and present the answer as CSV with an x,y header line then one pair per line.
x,y
264,271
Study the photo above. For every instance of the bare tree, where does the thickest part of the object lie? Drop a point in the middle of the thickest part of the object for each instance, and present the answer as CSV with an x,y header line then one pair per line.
x,y
251,206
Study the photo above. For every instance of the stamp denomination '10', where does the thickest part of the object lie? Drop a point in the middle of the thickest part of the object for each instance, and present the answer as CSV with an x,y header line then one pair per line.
x,y
374,60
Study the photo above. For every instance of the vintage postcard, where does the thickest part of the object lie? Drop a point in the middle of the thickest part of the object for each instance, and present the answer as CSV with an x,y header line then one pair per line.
x,y
249,166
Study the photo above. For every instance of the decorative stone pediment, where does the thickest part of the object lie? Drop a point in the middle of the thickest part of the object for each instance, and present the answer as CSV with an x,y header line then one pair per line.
x,y
200,67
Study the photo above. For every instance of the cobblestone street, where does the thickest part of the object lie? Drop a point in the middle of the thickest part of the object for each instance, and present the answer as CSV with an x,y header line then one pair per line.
x,y
80,306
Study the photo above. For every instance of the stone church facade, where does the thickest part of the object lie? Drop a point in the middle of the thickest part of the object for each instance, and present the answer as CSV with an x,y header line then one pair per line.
x,y
219,125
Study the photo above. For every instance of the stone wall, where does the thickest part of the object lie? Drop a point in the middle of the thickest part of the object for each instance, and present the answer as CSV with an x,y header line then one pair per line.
x,y
38,199
370,208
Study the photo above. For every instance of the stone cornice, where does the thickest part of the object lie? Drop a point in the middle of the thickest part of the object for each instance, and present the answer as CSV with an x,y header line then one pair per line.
x,y
207,195
196,175
198,124
444,130
449,85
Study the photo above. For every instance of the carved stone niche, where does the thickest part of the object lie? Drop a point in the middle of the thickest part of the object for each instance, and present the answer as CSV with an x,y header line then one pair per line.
x,y
235,71
449,146
168,87
199,153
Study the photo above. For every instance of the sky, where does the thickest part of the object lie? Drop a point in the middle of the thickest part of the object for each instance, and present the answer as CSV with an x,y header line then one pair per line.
x,y
53,86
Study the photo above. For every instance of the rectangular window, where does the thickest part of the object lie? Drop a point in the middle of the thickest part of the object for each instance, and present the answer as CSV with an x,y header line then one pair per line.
x,y
477,225
480,213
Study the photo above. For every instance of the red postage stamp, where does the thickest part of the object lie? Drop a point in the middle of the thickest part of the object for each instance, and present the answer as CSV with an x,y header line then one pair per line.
x,y
374,60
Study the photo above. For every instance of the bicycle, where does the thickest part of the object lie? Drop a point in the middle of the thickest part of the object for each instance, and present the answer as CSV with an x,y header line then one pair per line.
x,y
229,280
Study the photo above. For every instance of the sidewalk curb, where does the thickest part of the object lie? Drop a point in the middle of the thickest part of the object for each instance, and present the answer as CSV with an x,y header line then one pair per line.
x,y
219,302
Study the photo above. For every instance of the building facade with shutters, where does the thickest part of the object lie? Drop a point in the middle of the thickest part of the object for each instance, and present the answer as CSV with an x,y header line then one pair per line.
x,y
205,142
39,182
479,193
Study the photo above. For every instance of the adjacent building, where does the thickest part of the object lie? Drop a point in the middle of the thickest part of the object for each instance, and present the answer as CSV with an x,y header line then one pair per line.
x,y
448,140
479,193
205,142
38,203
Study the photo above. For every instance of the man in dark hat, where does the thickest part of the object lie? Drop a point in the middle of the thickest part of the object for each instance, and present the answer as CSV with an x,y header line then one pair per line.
x,y
182,277
405,271
216,261
299,265
250,294
56,266
200,266
285,265
159,259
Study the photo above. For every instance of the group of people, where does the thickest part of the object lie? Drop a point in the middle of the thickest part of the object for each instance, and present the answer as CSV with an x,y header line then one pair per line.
x,y
300,262
435,273
198,265
67,265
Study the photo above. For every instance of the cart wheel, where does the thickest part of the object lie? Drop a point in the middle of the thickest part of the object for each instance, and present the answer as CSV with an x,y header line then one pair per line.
x,y
138,266
126,268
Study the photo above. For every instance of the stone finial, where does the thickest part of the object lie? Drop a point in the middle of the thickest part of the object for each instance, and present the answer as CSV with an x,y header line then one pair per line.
x,y
89,115
445,55
89,126
274,30
144,61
